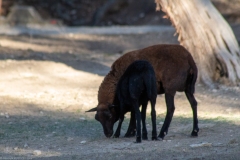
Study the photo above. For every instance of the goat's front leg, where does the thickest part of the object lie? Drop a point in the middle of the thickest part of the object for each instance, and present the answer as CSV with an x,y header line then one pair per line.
x,y
170,111
131,132
193,103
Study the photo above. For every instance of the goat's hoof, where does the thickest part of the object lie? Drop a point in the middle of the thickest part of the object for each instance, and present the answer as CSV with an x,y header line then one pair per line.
x,y
155,138
159,137
115,136
144,137
138,140
194,133
131,134
162,135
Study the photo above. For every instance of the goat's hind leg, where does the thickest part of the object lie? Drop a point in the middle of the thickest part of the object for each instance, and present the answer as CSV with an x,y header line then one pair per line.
x,y
153,117
193,103
138,119
170,111
143,114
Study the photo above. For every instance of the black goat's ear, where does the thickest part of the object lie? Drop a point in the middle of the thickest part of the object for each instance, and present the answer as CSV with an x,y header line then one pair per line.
x,y
112,106
108,114
92,110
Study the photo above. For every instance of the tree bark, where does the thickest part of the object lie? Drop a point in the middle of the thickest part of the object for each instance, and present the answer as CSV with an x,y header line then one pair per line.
x,y
204,32
0,7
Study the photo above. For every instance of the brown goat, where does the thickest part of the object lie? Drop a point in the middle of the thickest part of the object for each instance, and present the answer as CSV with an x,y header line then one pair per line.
x,y
175,70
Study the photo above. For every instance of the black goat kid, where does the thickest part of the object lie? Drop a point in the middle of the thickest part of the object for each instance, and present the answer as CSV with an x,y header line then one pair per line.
x,y
136,87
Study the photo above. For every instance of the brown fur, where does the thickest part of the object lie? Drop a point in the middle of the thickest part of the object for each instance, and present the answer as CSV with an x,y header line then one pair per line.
x,y
175,56
175,70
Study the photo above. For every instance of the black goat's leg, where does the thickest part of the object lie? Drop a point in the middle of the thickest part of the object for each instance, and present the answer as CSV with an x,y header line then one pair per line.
x,y
193,103
138,119
121,118
143,116
169,98
153,117
117,133
131,132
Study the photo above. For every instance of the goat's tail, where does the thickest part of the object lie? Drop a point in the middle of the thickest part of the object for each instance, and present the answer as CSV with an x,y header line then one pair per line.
x,y
192,77
151,85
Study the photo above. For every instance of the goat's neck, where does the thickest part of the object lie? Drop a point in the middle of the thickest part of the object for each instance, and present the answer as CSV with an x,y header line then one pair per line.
x,y
107,89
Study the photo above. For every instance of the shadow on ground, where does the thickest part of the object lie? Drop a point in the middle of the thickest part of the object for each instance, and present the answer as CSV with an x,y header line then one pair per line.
x,y
60,134
82,52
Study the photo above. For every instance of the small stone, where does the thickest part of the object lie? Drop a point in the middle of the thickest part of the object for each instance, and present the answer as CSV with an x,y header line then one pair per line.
x,y
161,123
25,145
82,142
70,139
232,141
82,118
7,149
214,90
37,152
203,144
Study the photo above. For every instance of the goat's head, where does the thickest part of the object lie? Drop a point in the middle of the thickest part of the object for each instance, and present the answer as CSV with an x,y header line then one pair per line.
x,y
107,116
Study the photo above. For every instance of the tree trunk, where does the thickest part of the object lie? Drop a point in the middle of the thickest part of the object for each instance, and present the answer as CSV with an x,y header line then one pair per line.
x,y
0,7
204,32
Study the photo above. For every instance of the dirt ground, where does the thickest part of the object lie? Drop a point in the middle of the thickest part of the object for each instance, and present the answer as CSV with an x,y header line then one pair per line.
x,y
48,82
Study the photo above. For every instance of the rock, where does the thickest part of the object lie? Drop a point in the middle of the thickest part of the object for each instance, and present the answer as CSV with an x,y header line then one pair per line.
x,y
15,148
69,139
82,118
203,144
37,152
25,145
161,123
82,142
214,90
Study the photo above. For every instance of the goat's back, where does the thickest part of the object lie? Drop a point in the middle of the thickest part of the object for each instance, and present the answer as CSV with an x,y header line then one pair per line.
x,y
172,65
137,82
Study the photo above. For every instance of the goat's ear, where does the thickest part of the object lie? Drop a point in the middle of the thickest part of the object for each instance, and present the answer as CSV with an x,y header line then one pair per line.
x,y
92,110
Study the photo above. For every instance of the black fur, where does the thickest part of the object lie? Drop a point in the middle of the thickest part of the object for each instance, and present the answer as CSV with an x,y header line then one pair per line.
x,y
136,87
